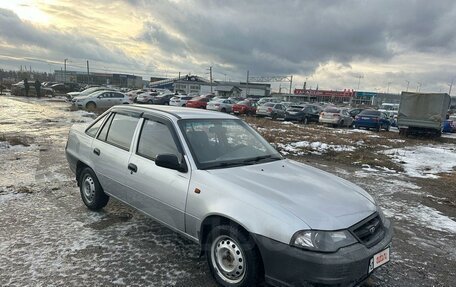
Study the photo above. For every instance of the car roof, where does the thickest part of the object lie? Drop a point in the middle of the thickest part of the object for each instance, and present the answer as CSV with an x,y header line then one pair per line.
x,y
176,112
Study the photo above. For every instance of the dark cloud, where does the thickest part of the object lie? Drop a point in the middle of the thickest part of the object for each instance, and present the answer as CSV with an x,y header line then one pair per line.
x,y
54,43
297,36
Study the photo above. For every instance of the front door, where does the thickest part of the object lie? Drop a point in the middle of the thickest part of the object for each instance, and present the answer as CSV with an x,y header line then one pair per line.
x,y
157,191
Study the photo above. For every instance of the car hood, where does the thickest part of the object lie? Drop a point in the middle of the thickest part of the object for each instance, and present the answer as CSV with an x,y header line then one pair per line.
x,y
321,200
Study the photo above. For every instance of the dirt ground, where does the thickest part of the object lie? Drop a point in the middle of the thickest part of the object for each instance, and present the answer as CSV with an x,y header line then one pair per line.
x,y
49,238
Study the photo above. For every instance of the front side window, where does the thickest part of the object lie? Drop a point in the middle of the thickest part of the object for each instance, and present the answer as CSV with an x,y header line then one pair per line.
x,y
121,131
217,143
156,138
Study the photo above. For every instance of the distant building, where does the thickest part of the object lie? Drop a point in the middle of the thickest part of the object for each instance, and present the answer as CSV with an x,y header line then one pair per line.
x,y
198,85
325,96
117,80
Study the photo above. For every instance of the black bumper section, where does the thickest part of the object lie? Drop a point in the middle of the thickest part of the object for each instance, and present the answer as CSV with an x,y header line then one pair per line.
x,y
290,266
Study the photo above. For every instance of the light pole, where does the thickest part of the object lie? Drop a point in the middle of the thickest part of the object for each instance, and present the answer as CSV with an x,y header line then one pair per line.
x,y
408,83
451,86
64,69
359,80
418,87
388,88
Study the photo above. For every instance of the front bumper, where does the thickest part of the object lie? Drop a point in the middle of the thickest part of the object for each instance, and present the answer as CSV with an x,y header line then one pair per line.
x,y
285,265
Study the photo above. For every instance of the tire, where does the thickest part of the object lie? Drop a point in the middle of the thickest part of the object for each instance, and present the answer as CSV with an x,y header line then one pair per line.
x,y
232,248
150,102
166,104
341,124
305,121
92,193
378,128
91,106
274,116
387,128
223,110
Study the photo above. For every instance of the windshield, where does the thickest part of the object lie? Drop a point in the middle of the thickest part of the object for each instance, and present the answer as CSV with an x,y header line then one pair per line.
x,y
220,143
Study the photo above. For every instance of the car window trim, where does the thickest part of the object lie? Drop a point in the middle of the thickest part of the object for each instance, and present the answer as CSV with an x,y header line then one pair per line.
x,y
96,121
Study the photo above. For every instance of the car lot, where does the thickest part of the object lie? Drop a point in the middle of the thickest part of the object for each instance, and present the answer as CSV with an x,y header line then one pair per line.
x,y
47,236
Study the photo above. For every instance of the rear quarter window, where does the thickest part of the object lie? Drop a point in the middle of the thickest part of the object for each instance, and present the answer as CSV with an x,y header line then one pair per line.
x,y
93,129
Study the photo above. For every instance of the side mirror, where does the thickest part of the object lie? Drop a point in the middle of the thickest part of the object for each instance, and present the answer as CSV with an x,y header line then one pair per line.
x,y
170,161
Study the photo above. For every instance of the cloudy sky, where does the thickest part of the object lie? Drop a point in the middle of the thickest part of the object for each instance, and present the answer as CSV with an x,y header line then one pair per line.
x,y
382,44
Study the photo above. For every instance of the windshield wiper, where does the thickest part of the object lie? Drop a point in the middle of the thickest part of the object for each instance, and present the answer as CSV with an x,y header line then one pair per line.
x,y
269,157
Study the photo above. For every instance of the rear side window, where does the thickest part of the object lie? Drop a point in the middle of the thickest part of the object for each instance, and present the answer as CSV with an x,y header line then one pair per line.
x,y
92,131
155,139
121,131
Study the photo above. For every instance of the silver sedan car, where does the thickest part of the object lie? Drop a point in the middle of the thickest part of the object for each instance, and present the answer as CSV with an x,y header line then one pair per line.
x,y
100,99
212,178
337,117
221,105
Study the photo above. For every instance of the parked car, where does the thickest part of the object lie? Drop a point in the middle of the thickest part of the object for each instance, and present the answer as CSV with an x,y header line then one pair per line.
x,y
146,97
273,110
245,107
221,105
198,102
212,178
18,89
287,104
179,100
87,92
63,88
354,112
372,119
162,99
449,126
303,113
132,95
263,101
100,99
337,117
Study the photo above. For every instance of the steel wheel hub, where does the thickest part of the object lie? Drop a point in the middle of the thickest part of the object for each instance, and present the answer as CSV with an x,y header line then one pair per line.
x,y
88,188
228,259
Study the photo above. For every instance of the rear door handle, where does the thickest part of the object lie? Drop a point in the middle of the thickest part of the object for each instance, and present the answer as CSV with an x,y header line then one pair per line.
x,y
96,151
132,167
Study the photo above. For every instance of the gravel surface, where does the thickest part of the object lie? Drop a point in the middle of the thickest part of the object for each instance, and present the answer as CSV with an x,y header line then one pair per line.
x,y
49,238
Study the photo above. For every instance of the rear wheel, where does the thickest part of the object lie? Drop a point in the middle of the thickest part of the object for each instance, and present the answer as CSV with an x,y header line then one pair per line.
x,y
91,106
92,193
223,110
379,127
274,116
233,258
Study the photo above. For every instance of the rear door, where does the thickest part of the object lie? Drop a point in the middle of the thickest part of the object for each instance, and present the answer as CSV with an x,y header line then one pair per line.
x,y
111,153
157,191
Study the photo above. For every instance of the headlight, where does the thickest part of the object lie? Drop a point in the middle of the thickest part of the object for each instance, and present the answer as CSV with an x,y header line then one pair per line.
x,y
323,241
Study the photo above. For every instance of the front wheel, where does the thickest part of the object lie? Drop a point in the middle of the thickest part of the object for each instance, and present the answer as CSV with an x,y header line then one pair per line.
x,y
233,258
92,193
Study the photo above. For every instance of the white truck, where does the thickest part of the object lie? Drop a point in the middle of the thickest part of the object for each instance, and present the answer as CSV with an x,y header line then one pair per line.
x,y
422,113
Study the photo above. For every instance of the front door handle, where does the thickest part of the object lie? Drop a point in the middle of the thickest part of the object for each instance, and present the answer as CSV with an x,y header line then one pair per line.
x,y
96,151
132,167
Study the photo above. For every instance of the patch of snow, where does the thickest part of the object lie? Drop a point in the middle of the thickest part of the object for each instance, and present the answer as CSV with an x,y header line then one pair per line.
x,y
5,197
315,147
367,167
396,141
432,218
287,123
425,161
